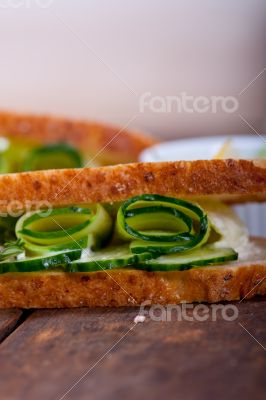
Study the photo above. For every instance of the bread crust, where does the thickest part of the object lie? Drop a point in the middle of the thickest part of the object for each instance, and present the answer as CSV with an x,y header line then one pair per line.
x,y
230,180
120,145
128,287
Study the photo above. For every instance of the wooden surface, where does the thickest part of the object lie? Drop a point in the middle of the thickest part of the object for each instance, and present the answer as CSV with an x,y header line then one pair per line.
x,y
9,319
51,350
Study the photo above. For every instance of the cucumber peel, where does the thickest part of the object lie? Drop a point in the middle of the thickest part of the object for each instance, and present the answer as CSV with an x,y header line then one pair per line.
x,y
205,256
49,262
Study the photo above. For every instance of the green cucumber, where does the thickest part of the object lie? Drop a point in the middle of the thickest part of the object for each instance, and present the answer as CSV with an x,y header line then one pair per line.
x,y
161,234
33,249
49,262
63,227
138,246
52,156
45,227
207,255
109,258
163,224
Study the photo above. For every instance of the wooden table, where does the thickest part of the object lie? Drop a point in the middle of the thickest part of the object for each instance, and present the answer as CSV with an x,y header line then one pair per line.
x,y
105,355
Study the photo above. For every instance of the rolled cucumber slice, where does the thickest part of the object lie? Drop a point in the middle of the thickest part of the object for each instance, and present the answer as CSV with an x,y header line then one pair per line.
x,y
162,224
207,255
50,261
109,258
63,227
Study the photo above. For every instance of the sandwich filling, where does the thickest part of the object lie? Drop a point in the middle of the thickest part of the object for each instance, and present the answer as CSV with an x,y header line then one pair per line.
x,y
149,232
18,156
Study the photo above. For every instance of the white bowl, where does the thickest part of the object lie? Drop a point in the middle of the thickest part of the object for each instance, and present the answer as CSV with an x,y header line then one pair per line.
x,y
203,148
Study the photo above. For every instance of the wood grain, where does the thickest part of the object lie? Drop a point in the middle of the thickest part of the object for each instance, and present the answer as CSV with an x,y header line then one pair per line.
x,y
52,349
8,321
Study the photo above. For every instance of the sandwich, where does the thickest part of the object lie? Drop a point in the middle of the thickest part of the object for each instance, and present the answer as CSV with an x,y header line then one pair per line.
x,y
44,142
121,235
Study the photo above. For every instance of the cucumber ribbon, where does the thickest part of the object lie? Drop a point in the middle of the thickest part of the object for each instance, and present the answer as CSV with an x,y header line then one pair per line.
x,y
152,232
162,225
63,228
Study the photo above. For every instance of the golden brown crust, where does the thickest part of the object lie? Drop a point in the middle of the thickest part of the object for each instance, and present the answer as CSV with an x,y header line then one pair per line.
x,y
232,180
131,287
120,145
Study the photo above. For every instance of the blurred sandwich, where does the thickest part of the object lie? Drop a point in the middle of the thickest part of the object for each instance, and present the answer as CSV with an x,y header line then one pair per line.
x,y
42,142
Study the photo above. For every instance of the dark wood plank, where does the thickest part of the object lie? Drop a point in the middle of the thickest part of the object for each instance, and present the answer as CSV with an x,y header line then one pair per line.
x,y
8,321
189,360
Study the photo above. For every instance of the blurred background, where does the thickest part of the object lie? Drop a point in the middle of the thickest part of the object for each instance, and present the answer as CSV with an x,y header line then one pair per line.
x,y
95,59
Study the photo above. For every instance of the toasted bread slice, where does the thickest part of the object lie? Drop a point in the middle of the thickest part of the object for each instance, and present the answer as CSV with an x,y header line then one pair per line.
x,y
129,287
105,144
226,180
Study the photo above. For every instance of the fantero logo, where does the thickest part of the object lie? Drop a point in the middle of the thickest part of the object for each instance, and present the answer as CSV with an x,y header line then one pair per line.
x,y
185,103
188,312
17,208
